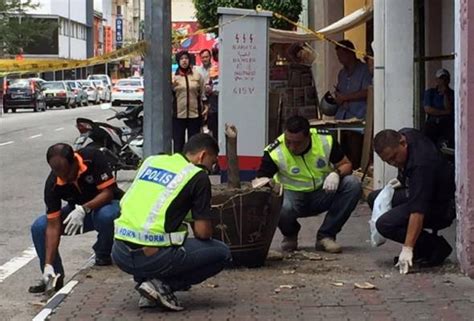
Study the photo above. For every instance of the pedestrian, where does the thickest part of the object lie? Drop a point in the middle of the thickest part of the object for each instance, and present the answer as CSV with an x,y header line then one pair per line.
x,y
351,96
151,235
316,177
213,95
425,201
85,182
205,66
439,107
189,101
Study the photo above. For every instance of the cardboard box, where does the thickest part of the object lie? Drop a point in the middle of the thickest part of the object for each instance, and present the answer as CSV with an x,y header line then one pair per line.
x,y
288,98
294,79
306,79
299,97
310,96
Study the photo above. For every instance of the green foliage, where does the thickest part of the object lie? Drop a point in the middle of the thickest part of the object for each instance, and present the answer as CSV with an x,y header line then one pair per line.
x,y
17,30
206,10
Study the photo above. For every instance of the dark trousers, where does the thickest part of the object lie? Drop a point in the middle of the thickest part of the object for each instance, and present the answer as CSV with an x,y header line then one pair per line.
x,y
351,145
212,124
439,129
180,125
101,220
339,206
393,225
177,266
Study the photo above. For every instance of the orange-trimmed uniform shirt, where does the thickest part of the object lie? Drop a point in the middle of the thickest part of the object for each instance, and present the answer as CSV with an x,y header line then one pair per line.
x,y
94,175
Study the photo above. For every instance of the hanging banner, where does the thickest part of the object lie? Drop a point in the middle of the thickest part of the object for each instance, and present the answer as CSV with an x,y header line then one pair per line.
x,y
118,31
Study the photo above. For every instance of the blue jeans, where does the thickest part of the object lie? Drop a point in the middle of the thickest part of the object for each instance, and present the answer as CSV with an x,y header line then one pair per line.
x,y
101,220
339,206
177,266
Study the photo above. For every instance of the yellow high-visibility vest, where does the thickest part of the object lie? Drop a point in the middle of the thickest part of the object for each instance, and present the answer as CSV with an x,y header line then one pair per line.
x,y
143,207
305,173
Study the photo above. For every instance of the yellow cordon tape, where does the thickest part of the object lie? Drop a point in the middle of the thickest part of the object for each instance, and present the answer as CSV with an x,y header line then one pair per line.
x,y
10,66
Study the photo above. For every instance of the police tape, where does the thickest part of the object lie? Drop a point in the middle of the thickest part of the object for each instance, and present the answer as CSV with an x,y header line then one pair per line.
x,y
8,66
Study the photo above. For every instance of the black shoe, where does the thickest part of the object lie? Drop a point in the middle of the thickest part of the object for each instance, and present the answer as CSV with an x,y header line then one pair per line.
x,y
103,261
41,286
440,253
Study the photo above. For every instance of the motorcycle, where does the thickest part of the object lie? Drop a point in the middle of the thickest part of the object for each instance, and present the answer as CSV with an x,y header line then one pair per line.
x,y
122,146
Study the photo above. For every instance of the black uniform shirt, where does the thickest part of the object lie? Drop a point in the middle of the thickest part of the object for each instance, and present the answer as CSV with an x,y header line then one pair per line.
x,y
94,175
268,168
428,176
195,197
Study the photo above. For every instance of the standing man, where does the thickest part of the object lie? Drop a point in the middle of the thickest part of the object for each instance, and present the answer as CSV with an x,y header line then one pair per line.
x,y
205,66
426,199
316,177
151,235
351,96
439,107
84,180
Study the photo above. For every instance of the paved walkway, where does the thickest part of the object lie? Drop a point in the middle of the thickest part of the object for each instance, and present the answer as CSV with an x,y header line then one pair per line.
x,y
308,285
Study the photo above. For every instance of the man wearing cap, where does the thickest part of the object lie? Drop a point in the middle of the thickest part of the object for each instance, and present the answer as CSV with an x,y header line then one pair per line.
x,y
351,96
439,103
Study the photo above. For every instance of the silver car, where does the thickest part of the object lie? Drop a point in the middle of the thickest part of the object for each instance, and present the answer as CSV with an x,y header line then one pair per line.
x,y
92,92
104,91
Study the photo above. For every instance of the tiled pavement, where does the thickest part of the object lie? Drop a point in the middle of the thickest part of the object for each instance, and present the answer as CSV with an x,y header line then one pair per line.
x,y
321,289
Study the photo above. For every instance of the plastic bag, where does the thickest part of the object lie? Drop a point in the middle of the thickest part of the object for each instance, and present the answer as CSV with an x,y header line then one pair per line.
x,y
382,204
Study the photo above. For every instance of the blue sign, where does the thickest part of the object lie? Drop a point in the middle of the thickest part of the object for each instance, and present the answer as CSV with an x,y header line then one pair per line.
x,y
157,175
118,31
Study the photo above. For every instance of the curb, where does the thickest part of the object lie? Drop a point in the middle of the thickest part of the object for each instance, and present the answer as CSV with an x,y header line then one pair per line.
x,y
59,296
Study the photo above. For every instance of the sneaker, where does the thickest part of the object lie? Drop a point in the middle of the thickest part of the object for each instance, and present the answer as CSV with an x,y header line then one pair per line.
x,y
289,243
40,287
145,303
156,290
329,245
103,261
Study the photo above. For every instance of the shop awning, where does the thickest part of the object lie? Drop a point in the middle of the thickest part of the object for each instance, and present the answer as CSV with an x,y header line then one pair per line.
x,y
350,21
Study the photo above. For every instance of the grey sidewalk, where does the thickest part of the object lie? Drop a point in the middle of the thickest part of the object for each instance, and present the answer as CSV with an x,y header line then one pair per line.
x,y
320,289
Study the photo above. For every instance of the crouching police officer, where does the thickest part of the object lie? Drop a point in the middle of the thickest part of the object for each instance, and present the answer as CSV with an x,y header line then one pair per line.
x,y
426,200
316,177
151,240
85,181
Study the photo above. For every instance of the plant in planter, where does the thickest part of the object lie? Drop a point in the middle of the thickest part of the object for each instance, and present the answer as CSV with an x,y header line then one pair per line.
x,y
246,217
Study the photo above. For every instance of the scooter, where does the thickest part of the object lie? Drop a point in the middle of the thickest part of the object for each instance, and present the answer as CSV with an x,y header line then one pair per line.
x,y
123,147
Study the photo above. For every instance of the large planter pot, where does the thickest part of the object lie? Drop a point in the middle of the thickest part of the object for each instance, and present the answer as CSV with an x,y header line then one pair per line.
x,y
246,220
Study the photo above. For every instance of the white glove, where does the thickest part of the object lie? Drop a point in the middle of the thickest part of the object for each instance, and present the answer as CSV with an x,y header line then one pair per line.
x,y
48,273
405,259
75,221
260,182
331,183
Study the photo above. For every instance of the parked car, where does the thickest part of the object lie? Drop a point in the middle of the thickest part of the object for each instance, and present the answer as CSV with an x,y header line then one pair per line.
x,y
128,91
91,90
104,91
58,93
80,94
103,77
23,93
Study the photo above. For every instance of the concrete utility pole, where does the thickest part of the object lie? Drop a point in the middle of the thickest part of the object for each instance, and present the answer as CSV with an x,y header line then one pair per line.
x,y
157,105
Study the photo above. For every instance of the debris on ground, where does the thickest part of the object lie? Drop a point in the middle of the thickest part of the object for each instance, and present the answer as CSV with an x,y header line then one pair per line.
x,y
210,285
365,286
289,271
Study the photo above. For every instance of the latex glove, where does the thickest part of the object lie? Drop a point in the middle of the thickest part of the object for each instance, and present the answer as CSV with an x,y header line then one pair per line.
x,y
75,221
260,182
405,259
48,273
331,183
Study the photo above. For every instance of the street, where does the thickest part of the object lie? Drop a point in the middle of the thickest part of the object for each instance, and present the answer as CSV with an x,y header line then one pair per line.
x,y
24,138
